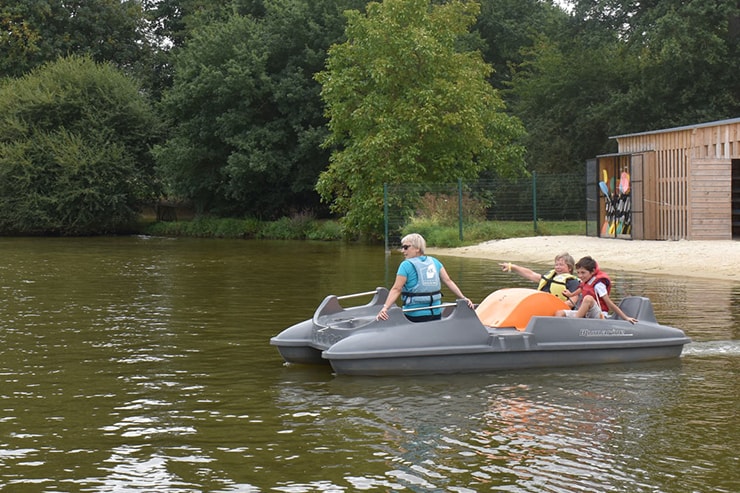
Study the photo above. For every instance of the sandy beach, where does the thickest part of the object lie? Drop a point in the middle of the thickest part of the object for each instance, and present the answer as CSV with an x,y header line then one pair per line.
x,y
708,259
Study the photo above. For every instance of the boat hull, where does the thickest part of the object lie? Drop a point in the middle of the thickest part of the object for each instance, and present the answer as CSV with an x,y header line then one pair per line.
x,y
294,345
355,343
490,362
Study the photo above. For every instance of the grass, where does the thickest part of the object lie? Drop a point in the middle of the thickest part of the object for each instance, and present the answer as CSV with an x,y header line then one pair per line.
x,y
298,227
449,236
305,227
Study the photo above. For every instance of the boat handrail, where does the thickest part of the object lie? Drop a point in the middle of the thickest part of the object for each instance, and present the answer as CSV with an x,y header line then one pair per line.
x,y
433,307
356,295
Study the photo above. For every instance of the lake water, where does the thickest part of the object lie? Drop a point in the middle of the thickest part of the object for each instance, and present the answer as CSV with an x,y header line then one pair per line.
x,y
143,365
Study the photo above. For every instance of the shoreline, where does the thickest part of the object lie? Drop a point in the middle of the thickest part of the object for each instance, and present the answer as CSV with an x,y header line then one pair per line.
x,y
718,259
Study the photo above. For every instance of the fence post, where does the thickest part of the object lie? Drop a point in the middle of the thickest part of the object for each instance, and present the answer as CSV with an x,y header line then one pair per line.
x,y
385,216
460,208
534,199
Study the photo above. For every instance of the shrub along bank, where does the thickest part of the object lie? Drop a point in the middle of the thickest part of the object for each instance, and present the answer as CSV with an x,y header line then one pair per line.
x,y
302,227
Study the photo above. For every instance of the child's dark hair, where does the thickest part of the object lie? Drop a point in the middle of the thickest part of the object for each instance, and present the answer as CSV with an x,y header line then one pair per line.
x,y
587,263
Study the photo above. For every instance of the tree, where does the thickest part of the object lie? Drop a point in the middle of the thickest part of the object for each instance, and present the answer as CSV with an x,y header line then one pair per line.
x,y
562,94
247,116
616,67
34,33
171,22
74,150
689,58
507,27
407,105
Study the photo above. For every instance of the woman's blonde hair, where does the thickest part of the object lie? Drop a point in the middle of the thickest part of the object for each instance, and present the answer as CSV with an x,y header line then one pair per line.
x,y
415,240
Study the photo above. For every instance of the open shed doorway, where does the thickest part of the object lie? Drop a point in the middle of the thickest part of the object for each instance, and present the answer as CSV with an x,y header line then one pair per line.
x,y
736,199
615,194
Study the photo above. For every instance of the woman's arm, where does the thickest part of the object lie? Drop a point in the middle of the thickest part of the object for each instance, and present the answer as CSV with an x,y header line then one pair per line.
x,y
393,295
445,277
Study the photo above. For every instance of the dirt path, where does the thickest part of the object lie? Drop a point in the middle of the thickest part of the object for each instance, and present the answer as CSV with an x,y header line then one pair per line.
x,y
709,259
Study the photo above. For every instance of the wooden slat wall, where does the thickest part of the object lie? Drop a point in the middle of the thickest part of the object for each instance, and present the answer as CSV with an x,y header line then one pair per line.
x,y
650,197
711,200
672,177
688,182
721,141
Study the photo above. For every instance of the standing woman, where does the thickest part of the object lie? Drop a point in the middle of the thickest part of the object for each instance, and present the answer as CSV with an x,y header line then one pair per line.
x,y
419,281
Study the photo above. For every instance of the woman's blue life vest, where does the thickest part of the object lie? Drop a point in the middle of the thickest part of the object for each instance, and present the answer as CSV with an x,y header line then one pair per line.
x,y
555,283
426,291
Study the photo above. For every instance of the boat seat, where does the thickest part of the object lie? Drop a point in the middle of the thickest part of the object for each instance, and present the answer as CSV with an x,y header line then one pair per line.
x,y
638,307
513,307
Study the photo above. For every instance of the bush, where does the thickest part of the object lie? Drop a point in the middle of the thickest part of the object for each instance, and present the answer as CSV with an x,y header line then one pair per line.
x,y
282,229
325,231
234,228
298,227
445,208
74,150
440,235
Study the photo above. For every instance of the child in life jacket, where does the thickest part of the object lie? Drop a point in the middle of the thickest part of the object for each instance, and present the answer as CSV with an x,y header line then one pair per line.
x,y
594,291
556,282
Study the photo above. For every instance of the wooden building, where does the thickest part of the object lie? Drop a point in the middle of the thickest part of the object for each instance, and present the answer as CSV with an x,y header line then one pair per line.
x,y
672,184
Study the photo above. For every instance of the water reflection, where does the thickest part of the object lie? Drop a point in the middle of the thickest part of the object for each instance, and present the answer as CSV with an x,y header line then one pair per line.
x,y
143,364
603,429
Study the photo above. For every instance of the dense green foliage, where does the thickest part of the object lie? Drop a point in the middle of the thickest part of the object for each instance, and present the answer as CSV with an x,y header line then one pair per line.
x,y
445,236
407,104
621,67
42,31
297,227
245,118
74,150
302,227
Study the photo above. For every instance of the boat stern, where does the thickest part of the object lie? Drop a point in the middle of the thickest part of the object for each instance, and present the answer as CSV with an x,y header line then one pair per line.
x,y
295,344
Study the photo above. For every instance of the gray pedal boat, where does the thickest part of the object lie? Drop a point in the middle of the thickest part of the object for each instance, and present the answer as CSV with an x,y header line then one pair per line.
x,y
512,328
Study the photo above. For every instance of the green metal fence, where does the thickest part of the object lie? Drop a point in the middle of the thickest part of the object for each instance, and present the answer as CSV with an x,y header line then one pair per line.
x,y
559,197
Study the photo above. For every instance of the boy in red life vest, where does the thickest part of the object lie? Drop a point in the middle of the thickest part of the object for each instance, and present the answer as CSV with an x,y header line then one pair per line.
x,y
594,290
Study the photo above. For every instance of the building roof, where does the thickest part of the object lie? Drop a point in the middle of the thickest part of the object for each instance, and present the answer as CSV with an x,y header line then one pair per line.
x,y
686,127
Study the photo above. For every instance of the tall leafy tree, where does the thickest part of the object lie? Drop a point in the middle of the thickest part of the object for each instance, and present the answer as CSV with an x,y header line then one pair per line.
x,y
33,33
406,104
689,58
247,115
171,22
562,93
624,66
507,27
74,150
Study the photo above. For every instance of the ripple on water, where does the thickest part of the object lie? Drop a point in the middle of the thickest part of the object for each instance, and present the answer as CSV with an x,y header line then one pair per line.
x,y
143,365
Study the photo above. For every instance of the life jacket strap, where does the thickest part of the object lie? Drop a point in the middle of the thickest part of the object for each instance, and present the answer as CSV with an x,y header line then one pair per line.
x,y
409,295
